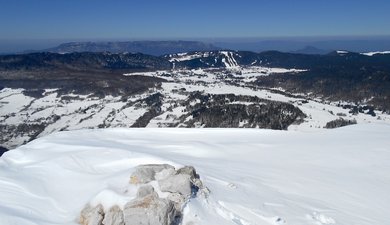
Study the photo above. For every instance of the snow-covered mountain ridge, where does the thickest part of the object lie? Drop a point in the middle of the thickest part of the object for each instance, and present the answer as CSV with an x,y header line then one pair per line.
x,y
255,176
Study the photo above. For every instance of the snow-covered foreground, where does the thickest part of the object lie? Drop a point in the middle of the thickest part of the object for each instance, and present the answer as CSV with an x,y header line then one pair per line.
x,y
339,176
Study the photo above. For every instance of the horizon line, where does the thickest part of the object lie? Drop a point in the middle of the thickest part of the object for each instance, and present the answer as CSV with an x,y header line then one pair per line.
x,y
199,38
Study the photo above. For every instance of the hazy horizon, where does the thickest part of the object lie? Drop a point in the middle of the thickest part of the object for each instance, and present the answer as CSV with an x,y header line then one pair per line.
x,y
281,43
32,25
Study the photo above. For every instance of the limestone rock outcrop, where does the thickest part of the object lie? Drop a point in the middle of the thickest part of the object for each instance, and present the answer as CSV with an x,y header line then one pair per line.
x,y
148,207
92,215
151,210
146,173
114,216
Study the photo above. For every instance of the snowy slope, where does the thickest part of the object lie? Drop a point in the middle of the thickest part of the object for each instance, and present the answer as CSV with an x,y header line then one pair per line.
x,y
339,176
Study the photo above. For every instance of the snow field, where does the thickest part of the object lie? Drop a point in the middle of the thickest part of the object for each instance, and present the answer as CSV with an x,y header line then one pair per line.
x,y
255,176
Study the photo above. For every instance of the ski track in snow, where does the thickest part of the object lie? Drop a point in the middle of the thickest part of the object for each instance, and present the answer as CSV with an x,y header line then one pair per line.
x,y
255,176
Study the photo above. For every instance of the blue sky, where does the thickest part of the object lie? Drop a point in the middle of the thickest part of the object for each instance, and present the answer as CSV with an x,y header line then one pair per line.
x,y
154,19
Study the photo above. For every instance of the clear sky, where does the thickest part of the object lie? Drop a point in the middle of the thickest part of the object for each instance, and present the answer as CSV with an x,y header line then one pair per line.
x,y
154,19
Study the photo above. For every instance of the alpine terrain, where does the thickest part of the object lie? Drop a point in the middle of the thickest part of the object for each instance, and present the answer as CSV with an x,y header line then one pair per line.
x,y
43,93
69,157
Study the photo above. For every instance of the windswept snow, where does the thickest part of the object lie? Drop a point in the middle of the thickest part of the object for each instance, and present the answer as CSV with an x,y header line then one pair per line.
x,y
255,176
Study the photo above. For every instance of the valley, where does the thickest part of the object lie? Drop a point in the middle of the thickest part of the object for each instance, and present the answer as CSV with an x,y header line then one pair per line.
x,y
223,94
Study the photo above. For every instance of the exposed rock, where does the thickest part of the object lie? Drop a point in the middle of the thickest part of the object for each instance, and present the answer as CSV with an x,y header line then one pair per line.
x,y
177,199
196,182
114,216
190,170
2,150
145,190
147,208
180,183
92,215
150,210
165,173
146,173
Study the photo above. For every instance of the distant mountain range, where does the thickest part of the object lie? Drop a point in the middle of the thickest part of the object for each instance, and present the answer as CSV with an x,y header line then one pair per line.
x,y
311,51
320,45
158,48
302,45
155,48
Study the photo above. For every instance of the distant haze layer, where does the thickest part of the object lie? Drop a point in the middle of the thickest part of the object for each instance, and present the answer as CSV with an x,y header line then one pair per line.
x,y
309,45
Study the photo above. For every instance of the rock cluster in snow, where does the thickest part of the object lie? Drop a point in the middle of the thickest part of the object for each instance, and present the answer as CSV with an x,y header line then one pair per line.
x,y
148,207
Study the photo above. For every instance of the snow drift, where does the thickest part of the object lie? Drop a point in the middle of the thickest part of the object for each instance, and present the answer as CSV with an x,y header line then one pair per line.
x,y
255,176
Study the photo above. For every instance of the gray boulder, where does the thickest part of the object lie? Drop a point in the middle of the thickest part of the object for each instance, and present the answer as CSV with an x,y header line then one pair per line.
x,y
189,170
146,173
178,200
150,210
145,190
180,183
114,216
165,173
195,178
92,215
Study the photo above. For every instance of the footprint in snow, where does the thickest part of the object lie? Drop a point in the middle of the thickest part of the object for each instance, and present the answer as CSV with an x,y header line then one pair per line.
x,y
232,186
321,218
